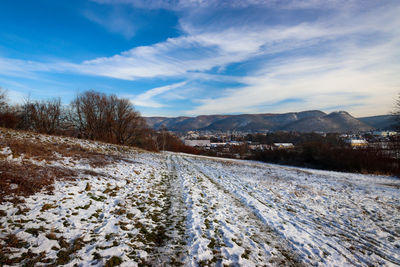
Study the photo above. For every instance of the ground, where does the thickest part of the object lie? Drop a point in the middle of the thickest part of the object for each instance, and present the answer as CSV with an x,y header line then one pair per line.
x,y
95,204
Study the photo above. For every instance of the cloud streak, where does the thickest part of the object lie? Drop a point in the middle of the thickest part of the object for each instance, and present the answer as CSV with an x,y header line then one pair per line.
x,y
147,99
115,21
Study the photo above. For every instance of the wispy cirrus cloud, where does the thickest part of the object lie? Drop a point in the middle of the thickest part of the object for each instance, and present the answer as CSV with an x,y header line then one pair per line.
x,y
350,49
353,78
277,4
146,99
114,20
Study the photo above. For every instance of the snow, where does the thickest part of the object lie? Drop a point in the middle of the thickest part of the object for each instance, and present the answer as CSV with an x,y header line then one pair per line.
x,y
169,208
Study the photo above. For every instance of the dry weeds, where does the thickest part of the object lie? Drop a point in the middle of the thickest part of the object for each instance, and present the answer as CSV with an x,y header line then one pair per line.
x,y
26,179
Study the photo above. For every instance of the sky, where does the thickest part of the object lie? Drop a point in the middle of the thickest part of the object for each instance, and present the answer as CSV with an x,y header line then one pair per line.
x,y
199,57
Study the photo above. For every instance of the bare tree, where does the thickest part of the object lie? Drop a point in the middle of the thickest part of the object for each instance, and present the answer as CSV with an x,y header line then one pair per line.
x,y
93,115
3,100
126,123
43,116
396,113
8,115
108,118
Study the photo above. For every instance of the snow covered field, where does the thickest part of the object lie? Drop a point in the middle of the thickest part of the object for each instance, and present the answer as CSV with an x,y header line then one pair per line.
x,y
173,209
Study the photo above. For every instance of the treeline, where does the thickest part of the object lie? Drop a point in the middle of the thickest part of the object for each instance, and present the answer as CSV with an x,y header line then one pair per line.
x,y
325,155
91,115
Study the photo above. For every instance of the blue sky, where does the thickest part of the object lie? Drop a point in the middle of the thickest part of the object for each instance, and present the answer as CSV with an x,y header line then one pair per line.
x,y
198,57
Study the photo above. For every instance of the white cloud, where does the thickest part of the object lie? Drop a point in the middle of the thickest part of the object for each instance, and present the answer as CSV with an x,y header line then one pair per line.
x,y
146,99
115,21
362,79
356,54
202,49
190,4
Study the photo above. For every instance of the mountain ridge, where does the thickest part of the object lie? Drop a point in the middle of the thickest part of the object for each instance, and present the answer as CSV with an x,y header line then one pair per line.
x,y
304,121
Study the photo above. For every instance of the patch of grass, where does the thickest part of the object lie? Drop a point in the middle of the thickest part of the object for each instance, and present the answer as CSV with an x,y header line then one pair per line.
x,y
113,261
62,257
109,236
212,243
22,211
120,211
51,236
30,179
96,256
157,236
11,240
97,198
207,224
122,225
112,192
96,215
85,207
47,207
78,244
88,187
246,254
290,209
33,258
62,242
35,231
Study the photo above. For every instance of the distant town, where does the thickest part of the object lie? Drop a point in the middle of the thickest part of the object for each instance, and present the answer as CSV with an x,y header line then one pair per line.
x,y
241,144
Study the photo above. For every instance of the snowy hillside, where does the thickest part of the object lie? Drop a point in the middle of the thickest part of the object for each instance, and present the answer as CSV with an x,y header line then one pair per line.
x,y
111,205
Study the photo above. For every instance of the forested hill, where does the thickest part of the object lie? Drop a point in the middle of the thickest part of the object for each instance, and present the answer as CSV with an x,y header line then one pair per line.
x,y
306,121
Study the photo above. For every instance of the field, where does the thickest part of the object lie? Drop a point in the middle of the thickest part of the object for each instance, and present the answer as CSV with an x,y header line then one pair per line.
x,y
66,201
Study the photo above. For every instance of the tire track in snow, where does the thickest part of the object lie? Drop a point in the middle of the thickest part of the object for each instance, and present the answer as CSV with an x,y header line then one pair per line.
x,y
223,230
170,233
332,239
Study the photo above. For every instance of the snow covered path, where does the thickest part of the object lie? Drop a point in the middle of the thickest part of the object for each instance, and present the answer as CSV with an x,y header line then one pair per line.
x,y
169,209
320,217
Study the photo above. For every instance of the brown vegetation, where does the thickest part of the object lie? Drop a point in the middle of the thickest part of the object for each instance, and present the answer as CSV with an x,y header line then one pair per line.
x,y
39,150
167,141
91,115
42,116
26,179
23,178
110,119
333,157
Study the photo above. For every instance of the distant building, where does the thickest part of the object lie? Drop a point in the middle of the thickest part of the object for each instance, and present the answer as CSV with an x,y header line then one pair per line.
x,y
384,133
198,143
283,145
260,147
218,144
356,143
235,143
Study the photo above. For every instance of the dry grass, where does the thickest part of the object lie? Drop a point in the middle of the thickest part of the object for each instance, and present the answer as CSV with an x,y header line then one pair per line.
x,y
48,151
26,179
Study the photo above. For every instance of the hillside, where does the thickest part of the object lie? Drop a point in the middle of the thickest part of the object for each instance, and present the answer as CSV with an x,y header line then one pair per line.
x,y
306,121
383,122
66,201
334,122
